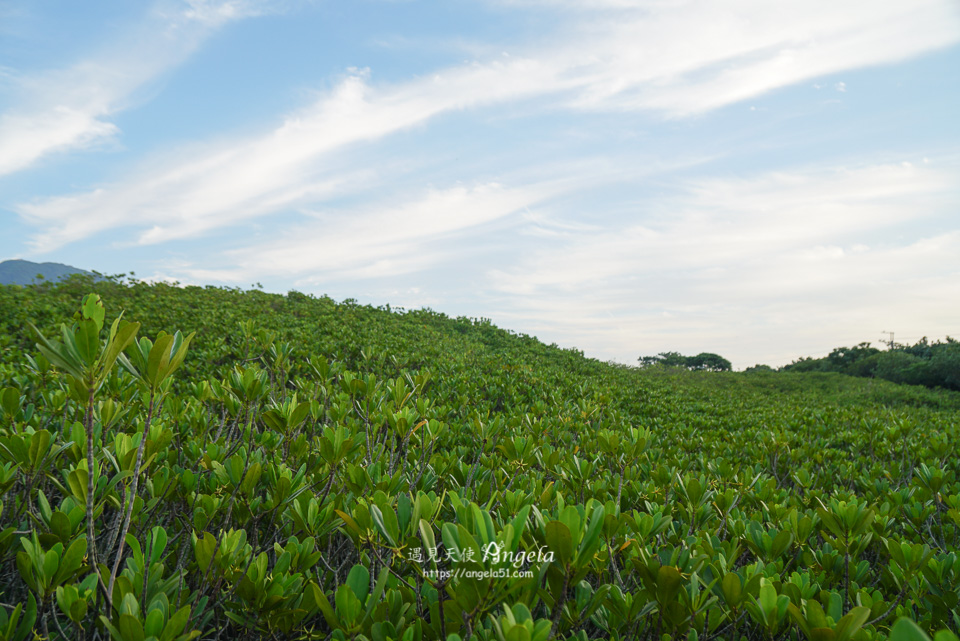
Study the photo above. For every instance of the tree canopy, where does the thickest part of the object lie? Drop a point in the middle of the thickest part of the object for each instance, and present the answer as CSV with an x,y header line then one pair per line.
x,y
923,363
704,361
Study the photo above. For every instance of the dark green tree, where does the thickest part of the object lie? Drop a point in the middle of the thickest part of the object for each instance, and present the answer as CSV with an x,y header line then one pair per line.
x,y
703,361
709,362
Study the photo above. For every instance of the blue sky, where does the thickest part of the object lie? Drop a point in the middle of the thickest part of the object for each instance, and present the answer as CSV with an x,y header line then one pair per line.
x,y
762,180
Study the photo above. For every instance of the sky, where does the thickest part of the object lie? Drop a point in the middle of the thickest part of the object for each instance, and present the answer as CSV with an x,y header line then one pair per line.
x,y
763,180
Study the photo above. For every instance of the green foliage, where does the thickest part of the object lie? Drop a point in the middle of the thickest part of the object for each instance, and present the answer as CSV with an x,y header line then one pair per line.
x,y
153,362
704,361
924,363
289,467
18,625
80,353
907,630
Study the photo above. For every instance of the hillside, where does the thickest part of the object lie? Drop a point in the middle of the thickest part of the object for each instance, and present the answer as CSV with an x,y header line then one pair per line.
x,y
309,458
25,272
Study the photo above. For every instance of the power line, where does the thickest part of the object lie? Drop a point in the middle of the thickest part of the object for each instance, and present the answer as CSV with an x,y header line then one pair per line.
x,y
890,342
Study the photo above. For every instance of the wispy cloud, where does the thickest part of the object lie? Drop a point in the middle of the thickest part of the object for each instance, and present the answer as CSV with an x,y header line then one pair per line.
x,y
675,59
730,263
24,137
70,108
718,222
282,169
430,228
214,13
691,57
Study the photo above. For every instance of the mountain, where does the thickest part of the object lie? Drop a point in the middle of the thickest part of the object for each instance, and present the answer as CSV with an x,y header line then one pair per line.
x,y
24,272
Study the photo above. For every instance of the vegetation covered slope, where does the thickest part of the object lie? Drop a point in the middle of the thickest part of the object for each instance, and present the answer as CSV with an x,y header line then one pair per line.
x,y
317,470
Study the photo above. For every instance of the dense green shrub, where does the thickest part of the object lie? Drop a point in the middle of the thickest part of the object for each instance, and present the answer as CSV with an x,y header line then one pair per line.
x,y
322,470
929,364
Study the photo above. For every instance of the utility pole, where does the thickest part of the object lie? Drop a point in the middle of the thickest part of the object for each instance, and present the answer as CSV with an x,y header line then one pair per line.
x,y
889,342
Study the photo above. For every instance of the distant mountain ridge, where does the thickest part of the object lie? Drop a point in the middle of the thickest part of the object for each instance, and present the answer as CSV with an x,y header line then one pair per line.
x,y
24,272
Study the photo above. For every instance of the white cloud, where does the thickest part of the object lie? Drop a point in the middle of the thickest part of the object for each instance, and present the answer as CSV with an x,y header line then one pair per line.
x,y
719,222
24,138
68,109
687,58
742,264
378,241
216,12
678,59
276,171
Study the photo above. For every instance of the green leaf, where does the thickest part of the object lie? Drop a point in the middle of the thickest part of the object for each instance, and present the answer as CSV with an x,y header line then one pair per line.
x,y
831,522
669,582
39,444
906,630
78,610
153,625
591,539
320,599
57,354
70,347
348,605
376,597
130,628
179,352
92,308
768,599
176,624
560,541
130,605
25,567
732,589
158,359
51,560
386,524
780,544
204,550
852,622
87,336
426,533
358,580
26,624
799,618
159,544
71,561
124,337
